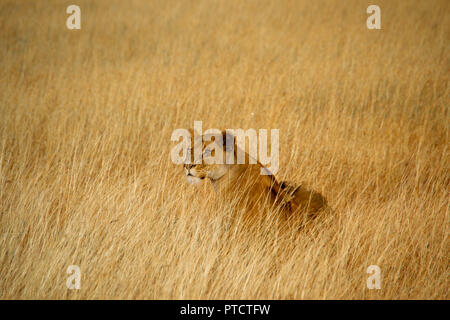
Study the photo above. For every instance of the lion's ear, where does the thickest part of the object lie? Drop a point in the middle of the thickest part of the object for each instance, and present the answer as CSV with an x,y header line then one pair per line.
x,y
228,140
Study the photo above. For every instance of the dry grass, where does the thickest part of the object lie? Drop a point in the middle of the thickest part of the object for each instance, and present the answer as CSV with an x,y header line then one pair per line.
x,y
85,124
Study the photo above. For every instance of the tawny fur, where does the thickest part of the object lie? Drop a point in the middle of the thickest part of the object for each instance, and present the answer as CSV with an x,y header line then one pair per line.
x,y
248,188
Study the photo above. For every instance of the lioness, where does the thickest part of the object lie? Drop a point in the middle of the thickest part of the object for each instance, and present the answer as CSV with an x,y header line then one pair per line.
x,y
244,184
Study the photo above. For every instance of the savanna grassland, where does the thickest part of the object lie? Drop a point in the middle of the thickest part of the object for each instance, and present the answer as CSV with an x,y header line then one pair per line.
x,y
86,176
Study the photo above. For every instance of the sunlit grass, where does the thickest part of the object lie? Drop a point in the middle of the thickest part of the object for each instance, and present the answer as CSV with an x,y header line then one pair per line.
x,y
85,123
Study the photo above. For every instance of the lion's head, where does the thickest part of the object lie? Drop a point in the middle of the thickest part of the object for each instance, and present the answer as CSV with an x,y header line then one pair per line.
x,y
212,150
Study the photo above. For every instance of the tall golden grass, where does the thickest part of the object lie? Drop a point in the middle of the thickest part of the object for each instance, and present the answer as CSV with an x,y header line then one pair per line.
x,y
86,118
